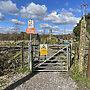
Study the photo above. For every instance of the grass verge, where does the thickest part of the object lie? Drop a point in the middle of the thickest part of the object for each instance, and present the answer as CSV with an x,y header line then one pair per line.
x,y
80,79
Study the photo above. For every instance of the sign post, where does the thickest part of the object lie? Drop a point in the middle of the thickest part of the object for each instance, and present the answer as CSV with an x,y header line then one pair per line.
x,y
30,30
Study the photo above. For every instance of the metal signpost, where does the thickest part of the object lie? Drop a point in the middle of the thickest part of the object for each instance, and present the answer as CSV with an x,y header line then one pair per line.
x,y
30,30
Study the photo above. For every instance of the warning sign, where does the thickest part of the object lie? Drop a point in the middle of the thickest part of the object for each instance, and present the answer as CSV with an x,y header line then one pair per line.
x,y
43,49
30,30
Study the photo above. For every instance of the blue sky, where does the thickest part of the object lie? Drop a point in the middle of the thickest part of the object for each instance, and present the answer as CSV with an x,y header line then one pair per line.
x,y
48,14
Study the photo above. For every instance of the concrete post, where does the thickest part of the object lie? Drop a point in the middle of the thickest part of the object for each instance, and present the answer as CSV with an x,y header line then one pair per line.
x,y
81,46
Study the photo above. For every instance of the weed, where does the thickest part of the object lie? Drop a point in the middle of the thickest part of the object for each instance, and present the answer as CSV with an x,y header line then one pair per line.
x,y
23,70
80,78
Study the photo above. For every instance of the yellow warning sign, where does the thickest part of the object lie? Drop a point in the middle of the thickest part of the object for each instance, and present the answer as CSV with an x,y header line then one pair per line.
x,y
43,49
43,52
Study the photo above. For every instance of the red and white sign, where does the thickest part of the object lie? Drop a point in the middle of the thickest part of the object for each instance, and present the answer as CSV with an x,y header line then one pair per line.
x,y
30,30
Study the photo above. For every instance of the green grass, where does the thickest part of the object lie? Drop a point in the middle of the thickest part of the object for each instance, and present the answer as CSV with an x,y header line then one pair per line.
x,y
80,79
87,43
76,76
1,88
23,70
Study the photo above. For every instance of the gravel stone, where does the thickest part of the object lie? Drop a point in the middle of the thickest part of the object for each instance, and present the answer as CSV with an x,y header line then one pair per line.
x,y
49,81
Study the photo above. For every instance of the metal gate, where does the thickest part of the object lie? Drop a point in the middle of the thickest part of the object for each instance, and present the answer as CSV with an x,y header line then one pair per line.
x,y
58,58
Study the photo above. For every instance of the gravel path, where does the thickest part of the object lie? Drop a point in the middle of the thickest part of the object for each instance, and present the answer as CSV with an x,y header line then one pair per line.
x,y
48,81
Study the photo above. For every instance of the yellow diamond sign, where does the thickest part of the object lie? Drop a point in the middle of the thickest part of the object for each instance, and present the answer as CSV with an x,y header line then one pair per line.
x,y
43,49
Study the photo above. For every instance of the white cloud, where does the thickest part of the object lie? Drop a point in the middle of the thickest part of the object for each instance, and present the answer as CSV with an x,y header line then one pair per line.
x,y
56,28
56,32
45,26
62,31
9,29
1,17
43,32
63,18
9,7
33,10
74,10
40,31
16,22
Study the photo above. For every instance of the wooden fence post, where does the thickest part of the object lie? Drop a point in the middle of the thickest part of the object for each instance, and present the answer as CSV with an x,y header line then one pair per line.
x,y
76,55
70,54
23,52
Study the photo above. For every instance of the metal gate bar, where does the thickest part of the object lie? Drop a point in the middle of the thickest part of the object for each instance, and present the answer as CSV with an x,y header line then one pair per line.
x,y
59,61
50,57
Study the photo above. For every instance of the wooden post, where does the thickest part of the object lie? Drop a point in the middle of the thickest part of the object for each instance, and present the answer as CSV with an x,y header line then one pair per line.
x,y
67,58
22,52
88,65
76,55
70,54
50,35
58,44
34,48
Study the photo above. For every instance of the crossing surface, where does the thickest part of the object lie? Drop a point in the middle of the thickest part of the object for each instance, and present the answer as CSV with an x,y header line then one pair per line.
x,y
49,81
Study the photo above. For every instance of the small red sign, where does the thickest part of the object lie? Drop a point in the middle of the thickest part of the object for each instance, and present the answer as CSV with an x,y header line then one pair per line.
x,y
30,30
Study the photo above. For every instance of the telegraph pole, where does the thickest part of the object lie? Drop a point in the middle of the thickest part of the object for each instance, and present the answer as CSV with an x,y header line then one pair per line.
x,y
82,42
84,12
